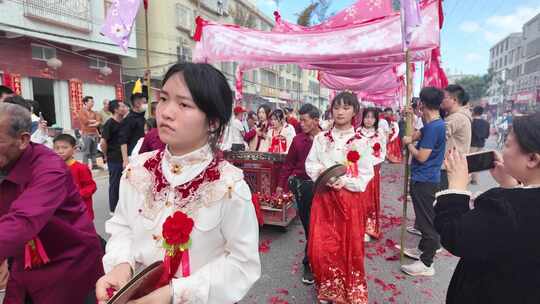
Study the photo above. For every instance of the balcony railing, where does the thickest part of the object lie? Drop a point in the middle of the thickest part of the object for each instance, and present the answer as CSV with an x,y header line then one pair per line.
x,y
74,14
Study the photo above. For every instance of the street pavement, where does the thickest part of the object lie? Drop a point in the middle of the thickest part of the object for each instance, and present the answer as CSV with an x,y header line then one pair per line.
x,y
282,252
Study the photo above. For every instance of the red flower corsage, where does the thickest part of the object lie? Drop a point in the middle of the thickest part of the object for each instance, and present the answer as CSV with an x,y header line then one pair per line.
x,y
377,150
176,242
353,156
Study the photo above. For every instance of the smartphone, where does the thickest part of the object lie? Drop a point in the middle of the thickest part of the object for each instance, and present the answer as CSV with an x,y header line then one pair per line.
x,y
481,161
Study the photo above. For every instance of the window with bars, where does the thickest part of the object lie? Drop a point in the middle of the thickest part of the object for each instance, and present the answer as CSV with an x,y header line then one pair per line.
x,y
106,5
97,62
184,16
40,52
183,53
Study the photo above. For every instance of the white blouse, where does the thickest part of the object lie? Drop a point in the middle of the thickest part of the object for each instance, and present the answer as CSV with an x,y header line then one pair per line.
x,y
325,153
373,138
394,131
287,131
224,256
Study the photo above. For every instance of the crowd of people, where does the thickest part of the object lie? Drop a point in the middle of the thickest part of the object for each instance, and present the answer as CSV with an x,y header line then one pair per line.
x,y
173,198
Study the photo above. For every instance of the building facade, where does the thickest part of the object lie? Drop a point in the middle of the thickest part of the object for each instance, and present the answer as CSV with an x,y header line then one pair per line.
x,y
515,64
171,27
51,51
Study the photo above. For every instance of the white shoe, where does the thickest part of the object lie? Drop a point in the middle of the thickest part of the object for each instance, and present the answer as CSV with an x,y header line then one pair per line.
x,y
418,268
367,238
414,253
414,231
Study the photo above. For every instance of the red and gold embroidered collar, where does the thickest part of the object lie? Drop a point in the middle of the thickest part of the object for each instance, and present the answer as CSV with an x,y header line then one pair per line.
x,y
328,135
209,174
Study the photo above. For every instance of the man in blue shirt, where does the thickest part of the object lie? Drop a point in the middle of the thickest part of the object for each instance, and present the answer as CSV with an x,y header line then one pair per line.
x,y
427,158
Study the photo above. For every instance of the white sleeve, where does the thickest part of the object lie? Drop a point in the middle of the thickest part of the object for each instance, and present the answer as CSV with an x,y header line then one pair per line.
x,y
314,167
229,277
395,128
39,136
119,246
137,147
365,169
289,136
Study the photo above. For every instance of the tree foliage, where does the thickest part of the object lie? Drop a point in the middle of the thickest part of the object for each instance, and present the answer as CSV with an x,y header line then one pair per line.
x,y
475,86
304,18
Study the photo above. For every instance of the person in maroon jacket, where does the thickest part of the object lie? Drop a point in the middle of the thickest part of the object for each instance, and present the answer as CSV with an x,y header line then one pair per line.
x,y
44,227
293,174
151,139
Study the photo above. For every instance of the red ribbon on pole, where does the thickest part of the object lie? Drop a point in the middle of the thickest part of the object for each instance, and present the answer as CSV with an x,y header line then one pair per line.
x,y
145,2
200,22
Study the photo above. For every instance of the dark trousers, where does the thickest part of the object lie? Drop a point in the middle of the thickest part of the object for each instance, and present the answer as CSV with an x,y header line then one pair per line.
x,y
303,193
90,149
444,180
423,196
115,173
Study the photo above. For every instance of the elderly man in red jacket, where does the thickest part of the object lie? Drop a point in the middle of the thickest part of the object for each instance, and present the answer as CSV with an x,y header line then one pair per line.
x,y
55,251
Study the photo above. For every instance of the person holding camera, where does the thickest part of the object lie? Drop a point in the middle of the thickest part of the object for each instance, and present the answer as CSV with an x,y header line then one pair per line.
x,y
496,236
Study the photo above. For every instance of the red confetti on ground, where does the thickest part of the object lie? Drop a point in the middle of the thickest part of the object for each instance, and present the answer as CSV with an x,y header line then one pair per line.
x,y
388,222
379,282
427,292
277,300
295,268
390,243
283,291
400,277
301,241
395,257
264,246
301,232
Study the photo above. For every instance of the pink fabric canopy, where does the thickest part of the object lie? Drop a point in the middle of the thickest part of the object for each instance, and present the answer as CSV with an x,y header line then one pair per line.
x,y
358,49
360,12
380,39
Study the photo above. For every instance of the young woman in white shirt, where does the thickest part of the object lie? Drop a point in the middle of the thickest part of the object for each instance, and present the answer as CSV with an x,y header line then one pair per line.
x,y
337,223
369,128
186,191
280,133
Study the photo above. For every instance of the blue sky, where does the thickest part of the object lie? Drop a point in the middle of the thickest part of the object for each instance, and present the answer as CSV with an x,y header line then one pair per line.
x,y
471,27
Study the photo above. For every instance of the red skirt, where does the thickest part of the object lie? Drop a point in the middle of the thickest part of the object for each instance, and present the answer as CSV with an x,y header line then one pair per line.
x,y
394,151
336,245
373,208
257,206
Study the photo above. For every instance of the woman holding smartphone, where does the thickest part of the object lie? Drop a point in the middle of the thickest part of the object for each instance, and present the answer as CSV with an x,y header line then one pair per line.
x,y
497,236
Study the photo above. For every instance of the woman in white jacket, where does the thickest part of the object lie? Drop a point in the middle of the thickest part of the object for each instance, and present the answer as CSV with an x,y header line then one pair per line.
x,y
186,183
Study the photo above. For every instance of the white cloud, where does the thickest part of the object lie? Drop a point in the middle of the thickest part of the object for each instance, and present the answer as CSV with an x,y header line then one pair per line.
x,y
473,57
470,26
496,27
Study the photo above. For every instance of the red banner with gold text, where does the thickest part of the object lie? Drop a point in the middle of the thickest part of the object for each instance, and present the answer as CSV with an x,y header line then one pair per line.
x,y
75,101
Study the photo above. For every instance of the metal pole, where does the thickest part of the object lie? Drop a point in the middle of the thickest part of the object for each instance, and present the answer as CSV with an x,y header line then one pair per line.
x,y
408,132
148,75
